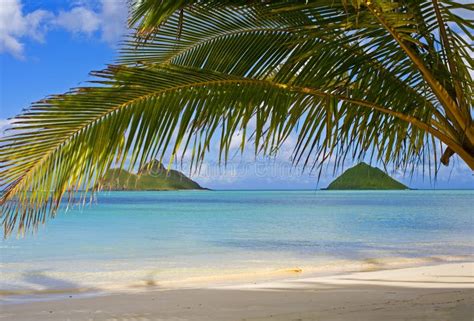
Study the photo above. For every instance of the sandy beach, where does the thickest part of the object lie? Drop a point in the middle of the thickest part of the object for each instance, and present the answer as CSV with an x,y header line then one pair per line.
x,y
236,160
435,292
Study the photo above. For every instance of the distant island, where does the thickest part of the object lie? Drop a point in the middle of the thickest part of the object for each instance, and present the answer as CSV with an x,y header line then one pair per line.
x,y
153,176
365,177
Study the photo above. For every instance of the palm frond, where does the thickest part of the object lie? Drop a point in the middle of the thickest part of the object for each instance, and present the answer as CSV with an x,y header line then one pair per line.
x,y
355,79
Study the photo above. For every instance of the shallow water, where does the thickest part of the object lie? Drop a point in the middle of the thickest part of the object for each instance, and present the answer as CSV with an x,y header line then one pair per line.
x,y
138,239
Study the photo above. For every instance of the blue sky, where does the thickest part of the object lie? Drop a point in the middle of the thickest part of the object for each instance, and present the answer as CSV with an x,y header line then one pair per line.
x,y
49,46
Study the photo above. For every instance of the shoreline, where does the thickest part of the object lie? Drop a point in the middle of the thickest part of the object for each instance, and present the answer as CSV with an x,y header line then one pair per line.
x,y
441,291
185,279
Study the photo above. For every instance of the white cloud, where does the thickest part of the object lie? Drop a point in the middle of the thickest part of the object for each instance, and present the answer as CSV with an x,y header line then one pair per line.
x,y
14,25
78,20
104,18
114,18
109,19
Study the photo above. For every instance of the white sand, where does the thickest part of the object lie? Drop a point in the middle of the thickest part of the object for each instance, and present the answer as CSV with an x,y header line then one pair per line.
x,y
459,275
441,292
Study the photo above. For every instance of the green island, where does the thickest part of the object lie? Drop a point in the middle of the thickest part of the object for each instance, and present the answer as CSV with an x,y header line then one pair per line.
x,y
365,177
153,176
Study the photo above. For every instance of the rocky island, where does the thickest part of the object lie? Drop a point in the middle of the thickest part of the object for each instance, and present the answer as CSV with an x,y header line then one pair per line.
x,y
365,177
153,176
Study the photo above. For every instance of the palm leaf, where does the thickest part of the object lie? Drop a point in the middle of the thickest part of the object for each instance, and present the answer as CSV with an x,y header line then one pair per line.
x,y
352,79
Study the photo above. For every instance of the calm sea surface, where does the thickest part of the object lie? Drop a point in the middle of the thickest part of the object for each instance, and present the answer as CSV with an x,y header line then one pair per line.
x,y
163,238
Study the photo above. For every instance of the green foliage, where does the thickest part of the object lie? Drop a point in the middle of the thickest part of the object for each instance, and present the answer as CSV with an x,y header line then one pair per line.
x,y
385,80
365,177
153,177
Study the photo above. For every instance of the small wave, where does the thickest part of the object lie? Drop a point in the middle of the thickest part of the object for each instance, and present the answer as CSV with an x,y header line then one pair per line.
x,y
134,280
9,247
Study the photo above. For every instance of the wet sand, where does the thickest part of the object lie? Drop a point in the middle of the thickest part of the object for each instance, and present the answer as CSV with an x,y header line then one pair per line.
x,y
439,292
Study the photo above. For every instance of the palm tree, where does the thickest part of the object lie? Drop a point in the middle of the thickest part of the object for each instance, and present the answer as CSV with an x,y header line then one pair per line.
x,y
389,80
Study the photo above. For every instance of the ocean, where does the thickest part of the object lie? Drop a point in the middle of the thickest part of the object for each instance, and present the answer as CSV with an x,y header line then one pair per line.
x,y
131,241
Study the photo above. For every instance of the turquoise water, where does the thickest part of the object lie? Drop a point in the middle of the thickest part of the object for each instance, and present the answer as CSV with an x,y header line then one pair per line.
x,y
153,238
